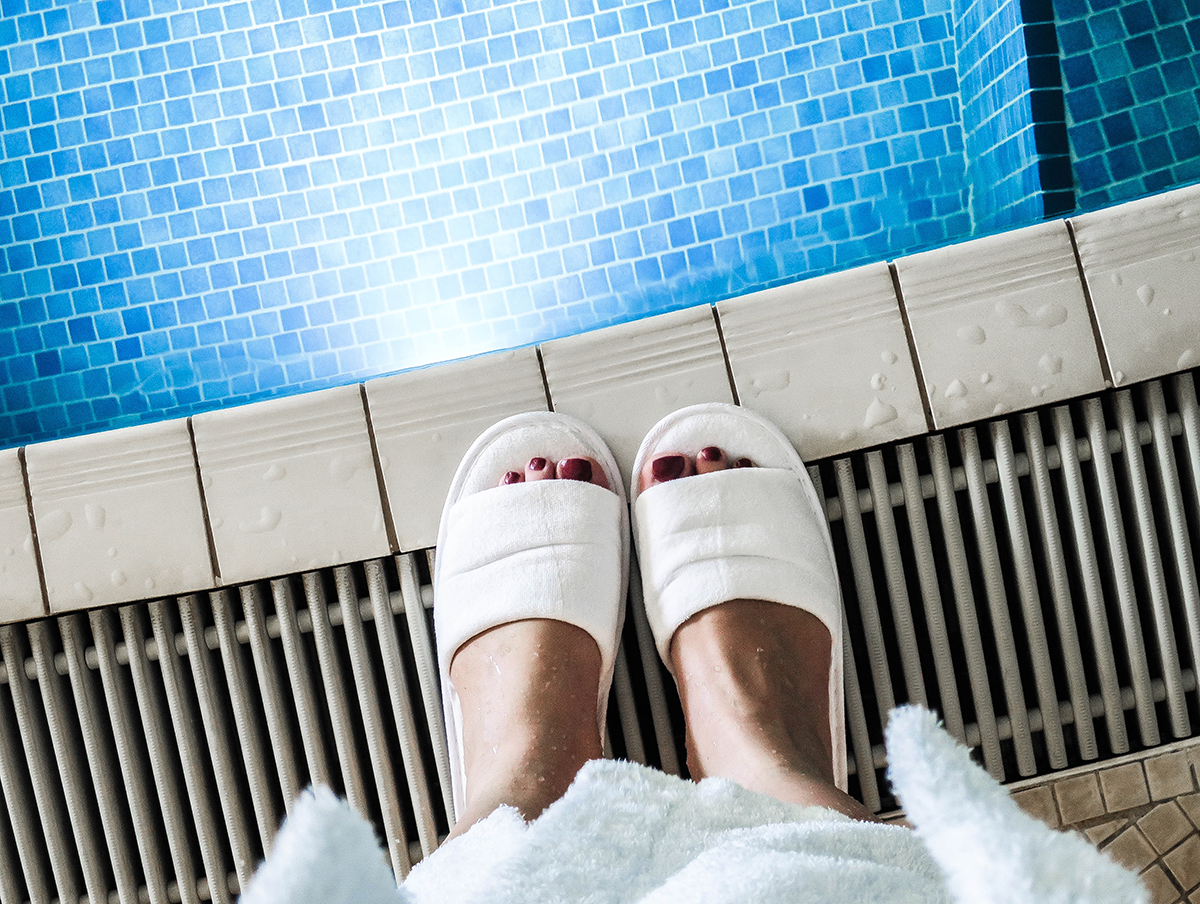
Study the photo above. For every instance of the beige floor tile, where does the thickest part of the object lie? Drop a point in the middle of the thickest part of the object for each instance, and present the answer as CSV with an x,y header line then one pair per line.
x,y
1194,897
1184,863
1131,849
1191,806
1124,787
1039,803
1169,775
1079,798
1100,833
1158,883
1165,826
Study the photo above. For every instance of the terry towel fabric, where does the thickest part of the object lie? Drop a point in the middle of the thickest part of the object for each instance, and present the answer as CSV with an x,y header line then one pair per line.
x,y
624,833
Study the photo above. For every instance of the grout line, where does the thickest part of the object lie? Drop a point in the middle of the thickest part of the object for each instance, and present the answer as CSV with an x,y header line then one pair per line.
x,y
33,534
912,347
545,380
212,543
725,355
1105,367
383,494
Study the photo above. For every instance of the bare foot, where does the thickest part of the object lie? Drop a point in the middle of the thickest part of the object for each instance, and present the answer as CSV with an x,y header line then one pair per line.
x,y
528,691
753,679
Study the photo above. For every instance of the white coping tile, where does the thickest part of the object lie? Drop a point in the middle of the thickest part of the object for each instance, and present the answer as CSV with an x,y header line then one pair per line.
x,y
425,420
624,378
827,359
1142,264
118,516
1000,324
20,586
291,484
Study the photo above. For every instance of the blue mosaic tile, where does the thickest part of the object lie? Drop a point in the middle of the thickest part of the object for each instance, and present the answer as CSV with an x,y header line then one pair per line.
x,y
206,204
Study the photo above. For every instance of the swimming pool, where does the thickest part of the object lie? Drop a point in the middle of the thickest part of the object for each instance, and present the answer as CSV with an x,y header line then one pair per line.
x,y
208,204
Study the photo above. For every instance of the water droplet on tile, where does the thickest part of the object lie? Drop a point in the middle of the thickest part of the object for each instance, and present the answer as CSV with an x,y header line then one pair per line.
x,y
985,378
9,551
3,568
149,584
879,413
1146,295
1116,279
1014,313
435,437
384,462
343,467
1050,315
1187,359
28,544
972,335
665,395
111,552
887,357
1051,364
878,381
95,516
956,390
206,480
1036,391
117,577
1189,256
275,472
337,555
771,381
268,519
998,408
218,522
53,525
84,591
1118,377
1166,312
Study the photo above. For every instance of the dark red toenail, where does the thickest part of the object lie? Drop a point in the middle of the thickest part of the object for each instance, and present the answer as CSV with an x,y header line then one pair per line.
x,y
710,453
577,469
537,464
668,467
743,463
513,477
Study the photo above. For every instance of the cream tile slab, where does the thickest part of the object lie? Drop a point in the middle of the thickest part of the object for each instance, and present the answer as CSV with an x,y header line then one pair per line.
x,y
118,516
622,379
1000,324
20,586
291,484
1142,264
425,420
827,359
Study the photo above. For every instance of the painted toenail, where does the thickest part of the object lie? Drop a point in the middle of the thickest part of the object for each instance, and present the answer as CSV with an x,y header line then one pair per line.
x,y
743,463
537,464
668,467
577,469
512,477
710,453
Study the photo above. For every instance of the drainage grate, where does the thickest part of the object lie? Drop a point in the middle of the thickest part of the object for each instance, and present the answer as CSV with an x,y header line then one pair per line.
x,y
1032,578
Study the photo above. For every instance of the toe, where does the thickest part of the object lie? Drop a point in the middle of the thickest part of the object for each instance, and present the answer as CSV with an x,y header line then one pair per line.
x,y
742,463
512,477
665,466
711,458
539,469
581,467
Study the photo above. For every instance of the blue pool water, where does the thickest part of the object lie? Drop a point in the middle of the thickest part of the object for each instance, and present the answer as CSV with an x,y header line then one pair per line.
x,y
208,204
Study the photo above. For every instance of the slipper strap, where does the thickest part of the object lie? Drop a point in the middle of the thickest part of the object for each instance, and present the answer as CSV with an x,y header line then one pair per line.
x,y
744,533
542,549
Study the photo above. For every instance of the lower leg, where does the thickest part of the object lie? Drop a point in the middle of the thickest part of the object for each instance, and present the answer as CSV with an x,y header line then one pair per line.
x,y
528,691
753,678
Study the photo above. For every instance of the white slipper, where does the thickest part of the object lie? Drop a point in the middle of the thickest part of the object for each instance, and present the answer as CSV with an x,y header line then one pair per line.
x,y
555,549
742,533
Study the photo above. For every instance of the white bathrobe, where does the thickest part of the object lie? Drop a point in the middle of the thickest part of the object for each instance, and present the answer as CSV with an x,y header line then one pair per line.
x,y
625,833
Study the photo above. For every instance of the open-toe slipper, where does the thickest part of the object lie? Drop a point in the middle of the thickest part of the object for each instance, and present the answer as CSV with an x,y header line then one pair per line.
x,y
742,533
556,549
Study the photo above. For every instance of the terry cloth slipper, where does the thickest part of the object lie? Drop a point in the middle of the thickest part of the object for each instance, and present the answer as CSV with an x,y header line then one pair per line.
x,y
555,549
743,533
